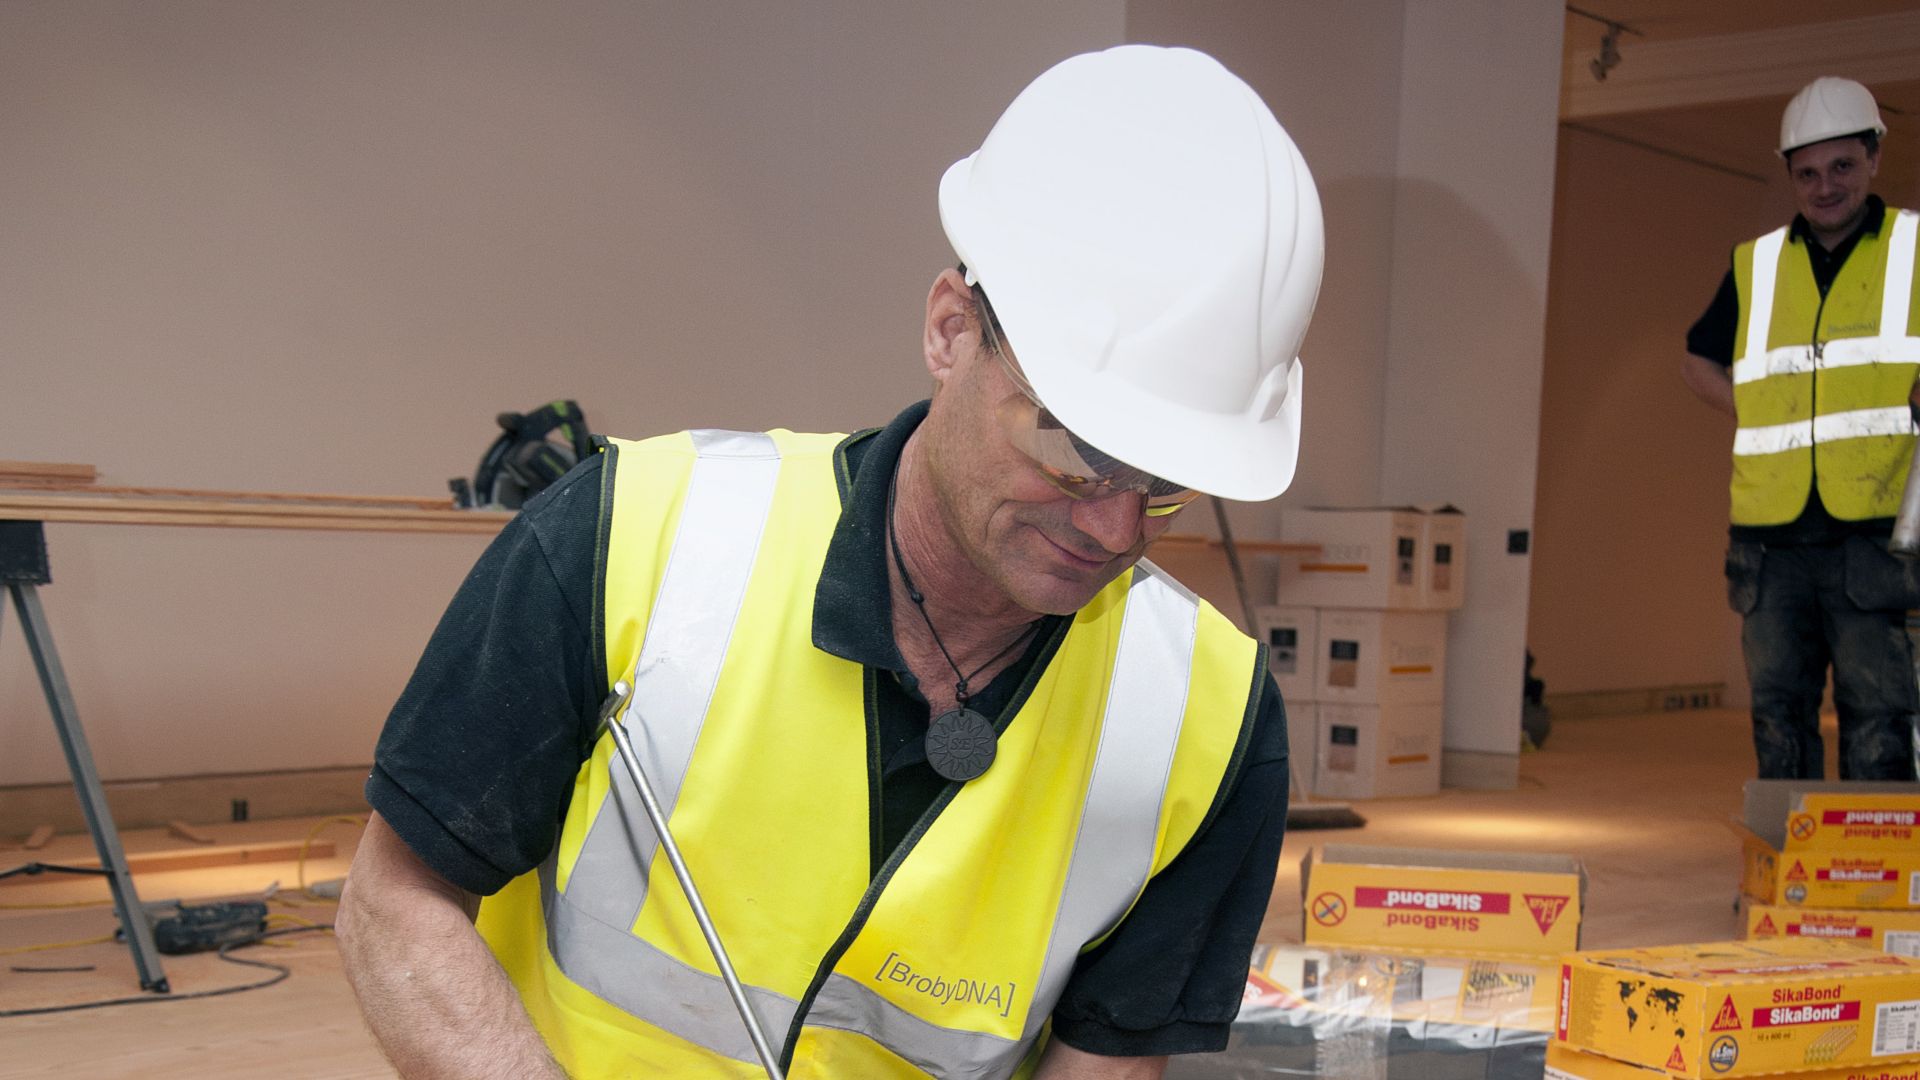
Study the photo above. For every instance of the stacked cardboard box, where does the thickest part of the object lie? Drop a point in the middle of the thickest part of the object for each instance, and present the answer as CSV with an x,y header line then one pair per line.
x,y
1431,900
1358,643
1738,1008
1837,861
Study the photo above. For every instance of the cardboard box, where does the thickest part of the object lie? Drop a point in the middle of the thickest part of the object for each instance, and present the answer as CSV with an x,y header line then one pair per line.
x,y
1376,751
1566,1063
1381,657
1292,638
1819,815
1742,1008
1896,932
1872,870
1443,560
1426,900
1368,558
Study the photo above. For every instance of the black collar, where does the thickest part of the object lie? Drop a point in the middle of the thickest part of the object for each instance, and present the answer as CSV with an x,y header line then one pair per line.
x,y
1870,222
853,605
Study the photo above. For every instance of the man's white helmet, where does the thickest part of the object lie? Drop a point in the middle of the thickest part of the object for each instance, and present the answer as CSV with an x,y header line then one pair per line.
x,y
1152,244
1827,108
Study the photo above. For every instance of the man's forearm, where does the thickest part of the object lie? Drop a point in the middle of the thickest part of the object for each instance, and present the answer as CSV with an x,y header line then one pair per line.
x,y
1709,382
435,998
1063,1062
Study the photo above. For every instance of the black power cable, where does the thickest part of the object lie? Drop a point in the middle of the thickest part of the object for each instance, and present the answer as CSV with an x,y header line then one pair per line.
x,y
280,974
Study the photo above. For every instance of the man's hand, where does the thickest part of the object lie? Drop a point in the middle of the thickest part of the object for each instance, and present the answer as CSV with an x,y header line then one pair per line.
x,y
1712,383
431,991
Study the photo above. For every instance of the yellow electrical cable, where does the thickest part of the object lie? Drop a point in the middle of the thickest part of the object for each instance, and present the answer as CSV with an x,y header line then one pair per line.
x,y
104,939
57,904
307,845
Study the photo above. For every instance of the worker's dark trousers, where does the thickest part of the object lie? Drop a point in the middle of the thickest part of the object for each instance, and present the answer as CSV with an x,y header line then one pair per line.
x,y
1809,606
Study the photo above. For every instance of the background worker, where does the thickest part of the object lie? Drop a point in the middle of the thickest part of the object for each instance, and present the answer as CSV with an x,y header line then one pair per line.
x,y
951,770
1810,345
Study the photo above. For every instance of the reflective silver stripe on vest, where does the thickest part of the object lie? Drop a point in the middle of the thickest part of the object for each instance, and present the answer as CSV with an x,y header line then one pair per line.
x,y
638,978
700,594
1891,346
1899,293
1838,353
1832,427
1766,267
1113,852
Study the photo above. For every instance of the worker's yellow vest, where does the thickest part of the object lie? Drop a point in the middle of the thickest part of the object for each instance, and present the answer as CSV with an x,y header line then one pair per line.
x,y
948,960
1821,385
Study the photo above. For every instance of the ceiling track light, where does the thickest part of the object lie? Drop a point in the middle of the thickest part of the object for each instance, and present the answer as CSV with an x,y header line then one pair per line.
x,y
1609,57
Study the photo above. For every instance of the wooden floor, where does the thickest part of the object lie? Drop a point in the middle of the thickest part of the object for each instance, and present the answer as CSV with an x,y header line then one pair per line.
x,y
1643,800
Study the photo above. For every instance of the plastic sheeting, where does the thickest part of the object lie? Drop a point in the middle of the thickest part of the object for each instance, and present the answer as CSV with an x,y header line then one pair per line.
x,y
1358,1015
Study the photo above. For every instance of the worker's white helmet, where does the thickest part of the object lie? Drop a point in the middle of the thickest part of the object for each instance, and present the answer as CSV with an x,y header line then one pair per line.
x,y
1828,108
1151,242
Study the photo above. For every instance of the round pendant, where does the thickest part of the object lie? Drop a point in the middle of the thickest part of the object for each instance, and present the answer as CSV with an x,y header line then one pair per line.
x,y
961,744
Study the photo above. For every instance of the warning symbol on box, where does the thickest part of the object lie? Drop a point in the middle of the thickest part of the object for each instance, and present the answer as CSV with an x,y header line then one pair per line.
x,y
1678,1061
1802,826
1329,909
1765,928
1796,872
1728,1018
1546,909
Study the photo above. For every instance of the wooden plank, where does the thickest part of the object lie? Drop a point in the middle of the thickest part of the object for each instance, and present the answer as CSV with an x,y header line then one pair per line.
x,y
39,837
1256,547
51,472
187,832
115,510
151,862
410,501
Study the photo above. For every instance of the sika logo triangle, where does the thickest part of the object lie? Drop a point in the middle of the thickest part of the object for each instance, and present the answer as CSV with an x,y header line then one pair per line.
x,y
1797,872
1766,927
1546,910
1728,1018
1677,1062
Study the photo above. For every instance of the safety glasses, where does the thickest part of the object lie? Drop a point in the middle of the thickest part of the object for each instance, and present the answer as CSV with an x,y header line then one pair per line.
x,y
1067,461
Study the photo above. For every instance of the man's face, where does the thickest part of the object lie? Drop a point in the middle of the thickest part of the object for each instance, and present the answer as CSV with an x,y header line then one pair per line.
x,y
1831,180
1047,551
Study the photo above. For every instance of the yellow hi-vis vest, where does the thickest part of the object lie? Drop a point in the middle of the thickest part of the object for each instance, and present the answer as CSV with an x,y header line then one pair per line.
x,y
1821,386
948,960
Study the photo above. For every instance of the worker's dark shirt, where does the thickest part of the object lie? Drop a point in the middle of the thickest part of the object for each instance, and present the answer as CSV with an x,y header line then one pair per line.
x,y
477,760
1712,338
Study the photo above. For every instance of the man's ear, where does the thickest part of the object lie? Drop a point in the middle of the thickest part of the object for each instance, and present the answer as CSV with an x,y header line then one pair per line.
x,y
949,321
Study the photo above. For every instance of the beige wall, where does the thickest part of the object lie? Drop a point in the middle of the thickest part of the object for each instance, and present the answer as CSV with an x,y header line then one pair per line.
x,y
289,246
1472,222
1627,588
316,247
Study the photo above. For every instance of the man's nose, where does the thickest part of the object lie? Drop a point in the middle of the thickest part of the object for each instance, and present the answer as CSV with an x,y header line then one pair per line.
x,y
1114,520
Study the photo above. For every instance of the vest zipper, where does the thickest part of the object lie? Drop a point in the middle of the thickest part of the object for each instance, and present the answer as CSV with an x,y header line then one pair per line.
x,y
1813,418
858,921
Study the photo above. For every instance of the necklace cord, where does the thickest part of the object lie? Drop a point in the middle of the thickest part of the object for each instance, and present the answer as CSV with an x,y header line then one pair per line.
x,y
920,603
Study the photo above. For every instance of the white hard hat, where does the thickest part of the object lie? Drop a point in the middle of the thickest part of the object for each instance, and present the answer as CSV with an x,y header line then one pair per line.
x,y
1152,244
1828,108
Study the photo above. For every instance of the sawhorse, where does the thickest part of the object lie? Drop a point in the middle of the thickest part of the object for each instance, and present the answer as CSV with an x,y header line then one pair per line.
x,y
23,569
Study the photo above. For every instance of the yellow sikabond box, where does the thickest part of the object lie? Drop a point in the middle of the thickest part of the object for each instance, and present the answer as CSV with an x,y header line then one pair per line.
x,y
1429,900
1896,932
1742,1008
1566,1063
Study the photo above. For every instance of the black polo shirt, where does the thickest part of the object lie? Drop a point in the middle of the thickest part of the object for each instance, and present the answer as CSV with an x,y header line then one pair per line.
x,y
1711,338
476,764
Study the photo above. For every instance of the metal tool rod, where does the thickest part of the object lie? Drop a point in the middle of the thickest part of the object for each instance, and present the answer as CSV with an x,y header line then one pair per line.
x,y
86,782
659,822
1233,565
1906,526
